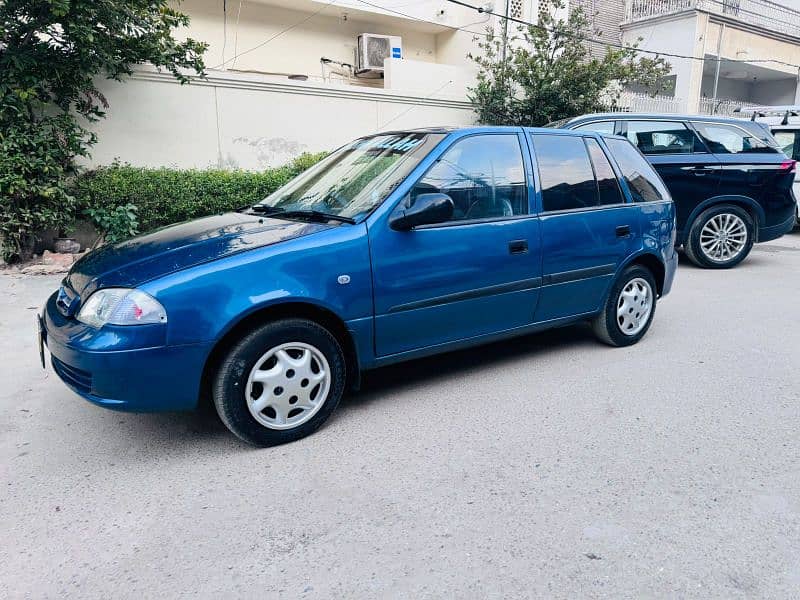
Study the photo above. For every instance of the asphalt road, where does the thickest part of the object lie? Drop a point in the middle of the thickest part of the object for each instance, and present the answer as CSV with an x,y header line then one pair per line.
x,y
549,466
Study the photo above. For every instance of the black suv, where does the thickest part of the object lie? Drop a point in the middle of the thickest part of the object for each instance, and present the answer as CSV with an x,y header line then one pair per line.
x,y
731,183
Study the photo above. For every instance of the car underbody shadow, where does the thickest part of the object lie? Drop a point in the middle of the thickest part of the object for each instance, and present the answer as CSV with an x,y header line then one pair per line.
x,y
394,378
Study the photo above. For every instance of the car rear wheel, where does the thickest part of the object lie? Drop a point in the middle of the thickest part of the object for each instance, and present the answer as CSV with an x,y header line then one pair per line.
x,y
280,382
629,308
720,238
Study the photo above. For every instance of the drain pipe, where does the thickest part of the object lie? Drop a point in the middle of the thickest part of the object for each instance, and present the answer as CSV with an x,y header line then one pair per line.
x,y
719,62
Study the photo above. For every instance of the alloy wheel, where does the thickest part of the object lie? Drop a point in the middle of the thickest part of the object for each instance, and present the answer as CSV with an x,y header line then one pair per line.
x,y
723,237
288,385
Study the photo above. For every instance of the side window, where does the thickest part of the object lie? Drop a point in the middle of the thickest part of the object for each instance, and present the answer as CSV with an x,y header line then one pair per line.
x,y
789,142
728,139
598,126
565,172
644,183
663,137
483,174
607,184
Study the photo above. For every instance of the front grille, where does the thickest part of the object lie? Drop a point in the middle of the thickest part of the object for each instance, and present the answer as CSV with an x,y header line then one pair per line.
x,y
77,378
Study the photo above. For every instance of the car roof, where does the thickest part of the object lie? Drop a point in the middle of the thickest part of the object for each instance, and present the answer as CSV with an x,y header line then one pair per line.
x,y
655,117
488,129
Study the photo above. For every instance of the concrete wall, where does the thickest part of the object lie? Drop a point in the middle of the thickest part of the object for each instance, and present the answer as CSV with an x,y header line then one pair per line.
x,y
783,91
680,34
313,29
250,121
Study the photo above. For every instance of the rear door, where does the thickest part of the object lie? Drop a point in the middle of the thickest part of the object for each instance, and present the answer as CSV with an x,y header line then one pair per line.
x,y
588,227
690,171
747,163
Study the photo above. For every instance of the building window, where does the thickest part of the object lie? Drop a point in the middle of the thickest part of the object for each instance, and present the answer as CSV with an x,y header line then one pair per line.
x,y
515,9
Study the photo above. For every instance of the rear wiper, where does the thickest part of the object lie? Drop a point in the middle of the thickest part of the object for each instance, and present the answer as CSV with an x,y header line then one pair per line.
x,y
310,213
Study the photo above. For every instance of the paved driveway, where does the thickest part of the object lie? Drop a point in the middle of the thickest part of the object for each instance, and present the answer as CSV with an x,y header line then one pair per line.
x,y
546,466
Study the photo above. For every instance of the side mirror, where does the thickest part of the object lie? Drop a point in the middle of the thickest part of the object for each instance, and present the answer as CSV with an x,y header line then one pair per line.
x,y
427,209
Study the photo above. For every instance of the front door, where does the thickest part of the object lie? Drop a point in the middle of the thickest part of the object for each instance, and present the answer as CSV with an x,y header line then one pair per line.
x,y
478,273
588,227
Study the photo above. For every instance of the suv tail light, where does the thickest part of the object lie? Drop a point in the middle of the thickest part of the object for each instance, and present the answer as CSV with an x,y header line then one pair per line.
x,y
789,166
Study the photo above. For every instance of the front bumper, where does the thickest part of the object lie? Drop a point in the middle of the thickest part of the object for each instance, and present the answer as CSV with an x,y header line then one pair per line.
x,y
106,368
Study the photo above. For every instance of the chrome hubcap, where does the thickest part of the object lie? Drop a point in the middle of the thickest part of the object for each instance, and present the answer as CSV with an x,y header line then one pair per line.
x,y
634,305
288,385
723,237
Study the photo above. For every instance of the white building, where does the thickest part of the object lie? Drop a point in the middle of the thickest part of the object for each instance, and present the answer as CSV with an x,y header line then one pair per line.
x,y
283,79
757,43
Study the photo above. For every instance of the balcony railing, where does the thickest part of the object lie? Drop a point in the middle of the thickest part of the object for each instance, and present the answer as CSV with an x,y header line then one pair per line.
x,y
761,13
638,102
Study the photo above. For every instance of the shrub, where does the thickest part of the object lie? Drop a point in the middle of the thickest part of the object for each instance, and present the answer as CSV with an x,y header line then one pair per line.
x,y
52,54
165,196
114,224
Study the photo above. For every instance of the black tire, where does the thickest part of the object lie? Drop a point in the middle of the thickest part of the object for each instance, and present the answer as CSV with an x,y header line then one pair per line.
x,y
230,383
696,254
606,325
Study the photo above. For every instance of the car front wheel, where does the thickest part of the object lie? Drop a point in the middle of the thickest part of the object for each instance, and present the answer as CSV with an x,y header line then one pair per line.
x,y
720,238
629,308
280,382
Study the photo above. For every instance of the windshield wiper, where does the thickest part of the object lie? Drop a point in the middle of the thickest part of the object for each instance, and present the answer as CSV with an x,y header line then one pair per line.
x,y
316,215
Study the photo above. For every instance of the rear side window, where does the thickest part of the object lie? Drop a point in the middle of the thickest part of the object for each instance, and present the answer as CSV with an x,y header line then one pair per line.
x,y
607,185
565,172
663,137
598,126
728,139
789,142
644,183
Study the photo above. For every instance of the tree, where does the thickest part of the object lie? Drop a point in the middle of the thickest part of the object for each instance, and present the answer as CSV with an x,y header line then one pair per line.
x,y
52,53
546,72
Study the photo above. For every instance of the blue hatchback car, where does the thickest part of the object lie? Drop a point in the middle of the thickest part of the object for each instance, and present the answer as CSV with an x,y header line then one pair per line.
x,y
396,246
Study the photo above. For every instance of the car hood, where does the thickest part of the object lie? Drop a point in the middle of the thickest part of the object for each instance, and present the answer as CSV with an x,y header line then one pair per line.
x,y
132,262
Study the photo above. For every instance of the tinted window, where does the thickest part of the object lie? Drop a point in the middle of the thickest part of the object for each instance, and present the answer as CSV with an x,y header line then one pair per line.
x,y
644,183
728,139
483,174
598,126
663,137
607,184
789,142
565,172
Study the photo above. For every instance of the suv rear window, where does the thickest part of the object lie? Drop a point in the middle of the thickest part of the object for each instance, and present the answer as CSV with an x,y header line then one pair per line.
x,y
644,183
729,139
789,142
663,137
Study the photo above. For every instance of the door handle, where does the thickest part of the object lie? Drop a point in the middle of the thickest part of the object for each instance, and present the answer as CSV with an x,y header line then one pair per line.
x,y
518,247
700,171
623,231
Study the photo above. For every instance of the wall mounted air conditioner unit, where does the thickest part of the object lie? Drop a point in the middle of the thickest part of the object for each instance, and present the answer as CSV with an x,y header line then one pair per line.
x,y
372,49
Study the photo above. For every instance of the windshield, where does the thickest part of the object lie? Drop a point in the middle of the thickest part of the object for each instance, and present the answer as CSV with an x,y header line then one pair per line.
x,y
355,178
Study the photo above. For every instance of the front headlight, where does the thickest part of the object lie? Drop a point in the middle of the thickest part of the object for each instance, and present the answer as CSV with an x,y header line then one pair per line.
x,y
121,306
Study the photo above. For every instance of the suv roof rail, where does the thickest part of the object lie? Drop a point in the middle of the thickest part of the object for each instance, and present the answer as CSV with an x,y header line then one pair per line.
x,y
771,111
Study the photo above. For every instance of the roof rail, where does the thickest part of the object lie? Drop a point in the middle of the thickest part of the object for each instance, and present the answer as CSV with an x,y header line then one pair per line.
x,y
771,111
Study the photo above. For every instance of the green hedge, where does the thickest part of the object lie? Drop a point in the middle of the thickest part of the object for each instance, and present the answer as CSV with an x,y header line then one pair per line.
x,y
164,196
